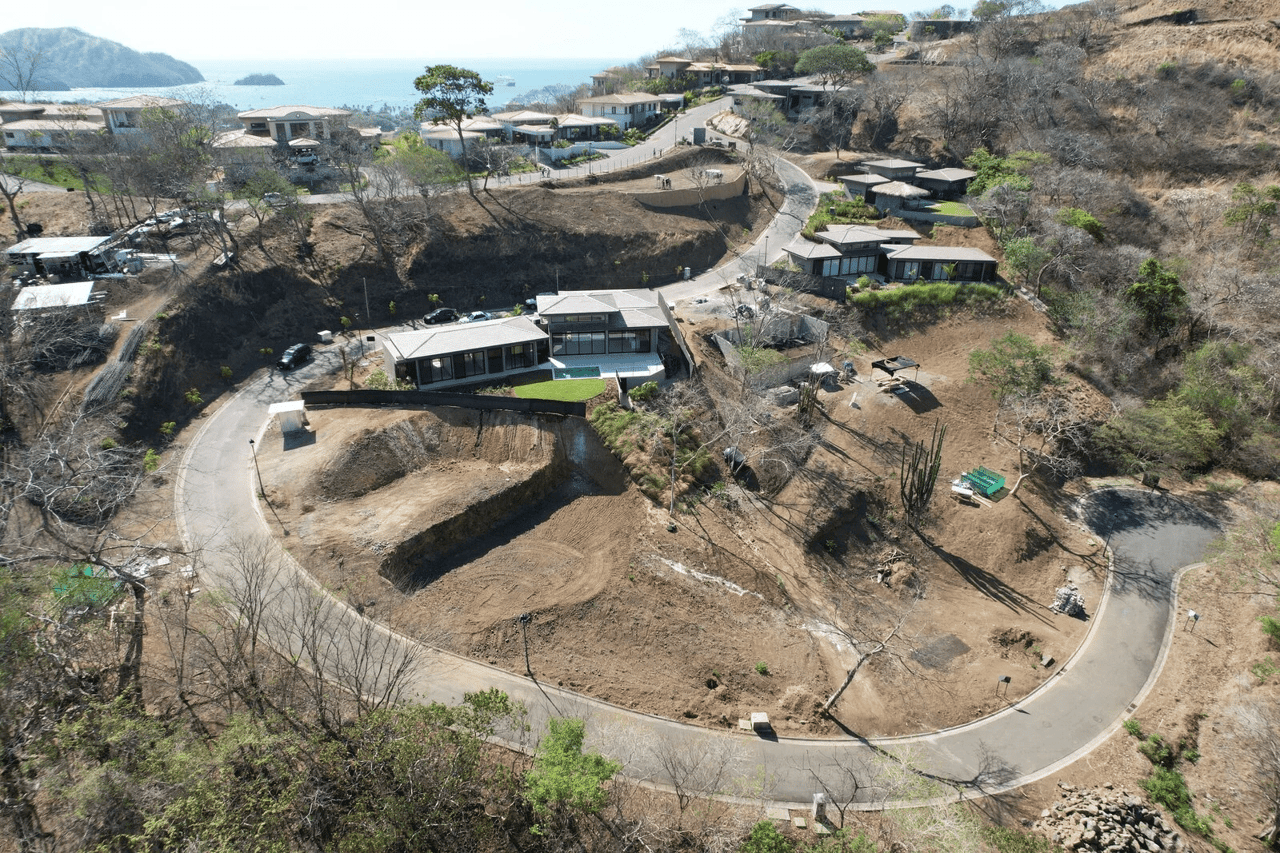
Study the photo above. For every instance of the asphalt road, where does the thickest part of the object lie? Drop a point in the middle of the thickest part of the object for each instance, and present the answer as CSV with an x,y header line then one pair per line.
x,y
1152,536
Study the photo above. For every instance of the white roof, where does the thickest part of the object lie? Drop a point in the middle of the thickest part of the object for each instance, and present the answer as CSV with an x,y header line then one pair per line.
x,y
623,98
522,117
947,174
56,245
802,248
637,308
463,337
242,139
893,163
900,190
938,253
53,295
141,102
864,234
292,111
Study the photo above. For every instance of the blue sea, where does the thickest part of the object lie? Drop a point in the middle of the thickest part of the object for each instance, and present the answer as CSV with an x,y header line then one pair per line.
x,y
372,84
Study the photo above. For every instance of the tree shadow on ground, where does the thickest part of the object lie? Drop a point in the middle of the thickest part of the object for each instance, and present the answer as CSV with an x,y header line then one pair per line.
x,y
986,583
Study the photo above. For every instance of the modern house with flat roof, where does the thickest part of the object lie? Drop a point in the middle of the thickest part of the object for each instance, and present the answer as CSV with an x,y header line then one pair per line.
x,y
463,353
856,250
606,332
578,333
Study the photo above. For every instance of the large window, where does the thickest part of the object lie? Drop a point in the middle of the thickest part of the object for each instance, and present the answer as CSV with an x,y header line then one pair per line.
x,y
437,370
630,341
468,364
578,343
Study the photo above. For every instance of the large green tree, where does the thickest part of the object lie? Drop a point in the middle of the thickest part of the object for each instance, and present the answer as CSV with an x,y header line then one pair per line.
x,y
835,64
563,776
1159,295
451,93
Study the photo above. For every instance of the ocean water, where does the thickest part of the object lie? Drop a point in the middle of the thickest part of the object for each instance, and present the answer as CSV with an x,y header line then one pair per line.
x,y
363,83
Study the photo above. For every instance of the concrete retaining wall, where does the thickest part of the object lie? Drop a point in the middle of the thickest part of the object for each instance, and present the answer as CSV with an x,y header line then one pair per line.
x,y
692,195
441,398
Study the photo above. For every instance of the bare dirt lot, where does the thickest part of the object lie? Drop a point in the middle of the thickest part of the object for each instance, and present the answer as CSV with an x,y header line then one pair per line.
x,y
679,624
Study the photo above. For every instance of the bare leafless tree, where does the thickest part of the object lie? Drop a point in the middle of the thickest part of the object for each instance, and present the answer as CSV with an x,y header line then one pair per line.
x,y
20,68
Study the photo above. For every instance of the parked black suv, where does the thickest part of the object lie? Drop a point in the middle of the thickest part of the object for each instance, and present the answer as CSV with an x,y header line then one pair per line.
x,y
294,356
441,315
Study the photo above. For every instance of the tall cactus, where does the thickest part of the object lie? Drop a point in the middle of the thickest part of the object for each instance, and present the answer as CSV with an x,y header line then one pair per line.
x,y
920,468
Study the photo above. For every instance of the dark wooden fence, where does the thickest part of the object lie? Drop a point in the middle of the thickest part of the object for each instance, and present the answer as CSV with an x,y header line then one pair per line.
x,y
441,398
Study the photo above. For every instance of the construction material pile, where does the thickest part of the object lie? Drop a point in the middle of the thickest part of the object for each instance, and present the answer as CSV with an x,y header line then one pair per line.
x,y
1106,821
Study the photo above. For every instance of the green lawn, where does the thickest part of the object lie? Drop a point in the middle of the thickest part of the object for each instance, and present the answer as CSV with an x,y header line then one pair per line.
x,y
50,171
568,390
952,208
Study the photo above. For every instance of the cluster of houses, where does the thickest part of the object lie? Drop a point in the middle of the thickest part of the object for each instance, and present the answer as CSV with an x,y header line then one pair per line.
x,y
908,190
629,335
296,131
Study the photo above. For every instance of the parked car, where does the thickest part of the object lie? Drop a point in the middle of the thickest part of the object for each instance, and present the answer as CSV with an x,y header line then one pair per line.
x,y
295,356
273,199
477,317
441,315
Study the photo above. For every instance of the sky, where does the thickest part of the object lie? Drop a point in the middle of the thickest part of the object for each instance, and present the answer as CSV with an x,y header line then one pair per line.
x,y
434,31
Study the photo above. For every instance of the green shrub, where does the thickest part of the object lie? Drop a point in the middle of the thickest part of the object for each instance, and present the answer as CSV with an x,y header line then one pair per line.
x,y
644,393
379,381
903,301
166,429
1083,220
193,397
762,668
836,208
150,461
1158,751
225,373
109,444
1133,727
765,838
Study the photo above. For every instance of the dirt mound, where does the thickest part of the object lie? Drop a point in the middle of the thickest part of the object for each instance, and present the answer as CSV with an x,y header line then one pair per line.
x,y
377,458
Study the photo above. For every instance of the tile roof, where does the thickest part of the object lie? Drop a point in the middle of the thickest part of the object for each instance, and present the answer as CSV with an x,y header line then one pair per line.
x,y
522,117
622,98
293,111
141,102
242,139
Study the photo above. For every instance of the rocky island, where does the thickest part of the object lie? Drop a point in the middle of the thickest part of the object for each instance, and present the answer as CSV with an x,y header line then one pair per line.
x,y
260,80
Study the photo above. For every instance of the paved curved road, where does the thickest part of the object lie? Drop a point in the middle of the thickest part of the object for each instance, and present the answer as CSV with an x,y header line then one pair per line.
x,y
1152,536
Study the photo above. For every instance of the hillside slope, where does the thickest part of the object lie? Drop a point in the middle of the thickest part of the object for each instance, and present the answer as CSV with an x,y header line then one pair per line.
x,y
71,58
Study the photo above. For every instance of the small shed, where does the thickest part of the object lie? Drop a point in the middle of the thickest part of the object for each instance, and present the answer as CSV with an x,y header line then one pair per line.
x,y
291,416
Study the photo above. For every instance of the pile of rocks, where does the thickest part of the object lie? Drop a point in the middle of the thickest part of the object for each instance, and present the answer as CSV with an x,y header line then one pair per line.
x,y
1068,600
1107,821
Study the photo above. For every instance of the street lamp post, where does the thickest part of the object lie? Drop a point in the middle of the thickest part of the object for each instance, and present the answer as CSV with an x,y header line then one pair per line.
x,y
524,621
253,448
